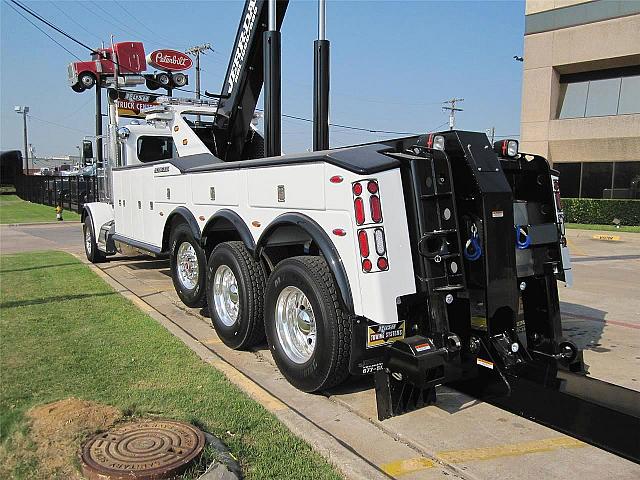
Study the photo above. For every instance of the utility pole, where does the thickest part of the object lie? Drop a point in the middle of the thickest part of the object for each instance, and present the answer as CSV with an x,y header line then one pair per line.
x,y
196,51
452,110
491,133
22,110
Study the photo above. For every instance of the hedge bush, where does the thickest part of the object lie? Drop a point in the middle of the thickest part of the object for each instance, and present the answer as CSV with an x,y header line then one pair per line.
x,y
601,211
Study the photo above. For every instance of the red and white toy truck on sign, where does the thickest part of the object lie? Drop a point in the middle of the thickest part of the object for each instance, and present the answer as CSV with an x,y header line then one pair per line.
x,y
129,56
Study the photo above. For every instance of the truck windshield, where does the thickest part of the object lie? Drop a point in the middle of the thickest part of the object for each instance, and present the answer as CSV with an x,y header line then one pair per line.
x,y
153,148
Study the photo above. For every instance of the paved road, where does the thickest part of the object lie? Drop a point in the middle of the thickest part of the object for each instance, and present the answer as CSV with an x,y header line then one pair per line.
x,y
459,436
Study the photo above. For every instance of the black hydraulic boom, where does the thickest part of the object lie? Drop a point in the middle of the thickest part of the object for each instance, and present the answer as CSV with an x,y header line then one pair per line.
x,y
245,77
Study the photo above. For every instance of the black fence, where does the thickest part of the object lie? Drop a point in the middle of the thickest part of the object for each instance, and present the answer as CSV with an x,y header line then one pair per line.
x,y
71,193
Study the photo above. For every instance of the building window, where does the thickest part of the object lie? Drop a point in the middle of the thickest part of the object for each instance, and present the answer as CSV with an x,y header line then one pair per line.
x,y
602,97
599,179
626,179
600,93
573,99
596,178
629,95
569,178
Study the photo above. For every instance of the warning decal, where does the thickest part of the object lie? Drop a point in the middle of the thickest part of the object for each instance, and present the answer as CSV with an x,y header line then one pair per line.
x,y
484,363
379,334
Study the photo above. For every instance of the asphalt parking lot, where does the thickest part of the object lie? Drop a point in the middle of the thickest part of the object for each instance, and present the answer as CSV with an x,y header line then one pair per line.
x,y
460,436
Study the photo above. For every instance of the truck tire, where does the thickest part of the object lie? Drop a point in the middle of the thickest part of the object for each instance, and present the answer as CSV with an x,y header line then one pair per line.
x,y
87,80
188,266
235,295
307,327
90,245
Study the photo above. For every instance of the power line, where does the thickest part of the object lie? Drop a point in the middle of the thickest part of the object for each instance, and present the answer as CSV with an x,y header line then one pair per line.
x,y
79,109
56,124
351,127
143,24
348,127
45,33
74,21
33,13
123,27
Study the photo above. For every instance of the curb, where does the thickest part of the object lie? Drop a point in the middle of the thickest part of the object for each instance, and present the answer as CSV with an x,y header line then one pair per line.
x,y
39,224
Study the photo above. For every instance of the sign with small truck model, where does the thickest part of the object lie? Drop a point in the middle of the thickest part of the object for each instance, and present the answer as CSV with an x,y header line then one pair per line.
x,y
169,60
130,103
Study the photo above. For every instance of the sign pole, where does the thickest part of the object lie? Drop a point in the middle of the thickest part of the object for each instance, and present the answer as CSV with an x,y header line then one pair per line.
x,y
98,153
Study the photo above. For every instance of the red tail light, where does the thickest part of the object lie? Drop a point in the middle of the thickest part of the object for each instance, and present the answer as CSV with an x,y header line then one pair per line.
x,y
363,242
367,265
358,205
336,179
357,189
376,208
372,187
383,264
556,192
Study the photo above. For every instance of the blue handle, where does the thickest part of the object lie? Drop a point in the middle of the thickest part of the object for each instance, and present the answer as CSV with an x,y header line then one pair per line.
x,y
476,253
527,239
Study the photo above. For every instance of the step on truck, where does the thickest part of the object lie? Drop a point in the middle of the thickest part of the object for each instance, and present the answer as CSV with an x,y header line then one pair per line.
x,y
425,260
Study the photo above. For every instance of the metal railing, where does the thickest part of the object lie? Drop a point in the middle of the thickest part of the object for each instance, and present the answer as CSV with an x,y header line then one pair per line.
x,y
71,193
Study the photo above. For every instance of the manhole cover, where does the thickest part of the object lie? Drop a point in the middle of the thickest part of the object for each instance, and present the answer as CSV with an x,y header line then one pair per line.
x,y
149,450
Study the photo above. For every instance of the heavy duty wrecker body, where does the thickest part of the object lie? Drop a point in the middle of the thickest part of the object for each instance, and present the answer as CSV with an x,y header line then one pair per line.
x,y
423,260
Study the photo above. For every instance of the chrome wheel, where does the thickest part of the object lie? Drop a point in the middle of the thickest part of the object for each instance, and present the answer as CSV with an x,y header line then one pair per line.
x,y
225,295
87,81
295,325
187,266
88,244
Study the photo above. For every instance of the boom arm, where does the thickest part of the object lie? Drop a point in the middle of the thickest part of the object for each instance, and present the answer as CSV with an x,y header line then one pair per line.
x,y
244,79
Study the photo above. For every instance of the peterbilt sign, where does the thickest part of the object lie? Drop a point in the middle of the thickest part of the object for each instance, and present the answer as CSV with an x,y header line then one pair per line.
x,y
169,60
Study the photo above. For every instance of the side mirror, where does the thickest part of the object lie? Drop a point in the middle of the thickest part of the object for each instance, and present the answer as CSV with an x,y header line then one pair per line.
x,y
87,149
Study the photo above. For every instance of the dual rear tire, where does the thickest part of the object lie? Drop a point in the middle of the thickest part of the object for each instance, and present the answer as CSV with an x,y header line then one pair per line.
x,y
297,307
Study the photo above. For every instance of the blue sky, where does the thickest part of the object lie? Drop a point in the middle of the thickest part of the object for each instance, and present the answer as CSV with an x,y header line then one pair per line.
x,y
393,63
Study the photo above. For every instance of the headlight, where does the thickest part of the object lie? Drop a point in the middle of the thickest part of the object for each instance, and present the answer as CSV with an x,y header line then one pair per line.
x,y
123,133
506,148
438,142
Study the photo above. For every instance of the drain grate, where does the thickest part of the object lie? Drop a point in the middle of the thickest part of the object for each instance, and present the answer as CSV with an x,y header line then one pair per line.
x,y
146,450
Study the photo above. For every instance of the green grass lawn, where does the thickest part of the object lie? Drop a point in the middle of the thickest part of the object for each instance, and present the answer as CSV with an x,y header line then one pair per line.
x,y
66,333
606,228
16,210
